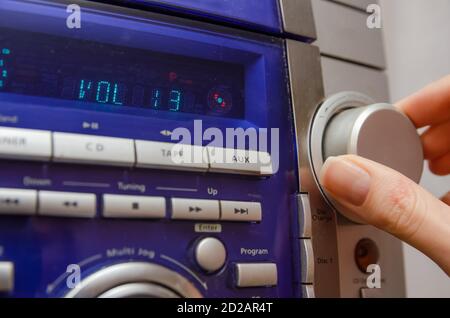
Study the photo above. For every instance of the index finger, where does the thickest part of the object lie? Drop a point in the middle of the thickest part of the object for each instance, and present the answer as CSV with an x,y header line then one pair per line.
x,y
430,105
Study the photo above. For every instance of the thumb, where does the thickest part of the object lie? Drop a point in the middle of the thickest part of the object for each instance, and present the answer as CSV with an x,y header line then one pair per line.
x,y
390,201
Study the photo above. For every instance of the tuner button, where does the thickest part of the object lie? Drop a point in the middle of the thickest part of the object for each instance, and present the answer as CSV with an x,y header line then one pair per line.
x,y
210,254
378,132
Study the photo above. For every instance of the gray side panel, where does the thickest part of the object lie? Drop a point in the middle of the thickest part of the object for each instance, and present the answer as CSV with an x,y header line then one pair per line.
x,y
390,262
298,17
341,76
342,32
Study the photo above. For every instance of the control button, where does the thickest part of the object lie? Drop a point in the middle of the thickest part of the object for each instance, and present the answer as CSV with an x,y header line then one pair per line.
x,y
256,275
308,291
304,216
193,209
210,254
131,206
6,276
239,161
28,144
366,253
93,149
164,155
371,293
241,211
307,261
18,201
67,204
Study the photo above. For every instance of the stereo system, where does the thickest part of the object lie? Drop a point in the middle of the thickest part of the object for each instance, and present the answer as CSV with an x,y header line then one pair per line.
x,y
97,198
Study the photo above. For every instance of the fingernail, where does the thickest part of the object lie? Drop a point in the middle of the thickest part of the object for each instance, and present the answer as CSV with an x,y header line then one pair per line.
x,y
345,180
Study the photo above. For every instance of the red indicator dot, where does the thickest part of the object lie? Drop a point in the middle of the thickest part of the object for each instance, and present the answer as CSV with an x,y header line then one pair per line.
x,y
172,76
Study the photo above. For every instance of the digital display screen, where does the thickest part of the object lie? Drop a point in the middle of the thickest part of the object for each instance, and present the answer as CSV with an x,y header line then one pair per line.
x,y
44,65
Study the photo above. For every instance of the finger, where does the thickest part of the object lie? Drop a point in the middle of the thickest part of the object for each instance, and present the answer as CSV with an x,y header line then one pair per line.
x,y
441,165
446,198
388,200
429,106
436,141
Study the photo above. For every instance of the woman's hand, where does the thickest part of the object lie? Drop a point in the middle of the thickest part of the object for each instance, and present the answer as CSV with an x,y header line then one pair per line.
x,y
390,201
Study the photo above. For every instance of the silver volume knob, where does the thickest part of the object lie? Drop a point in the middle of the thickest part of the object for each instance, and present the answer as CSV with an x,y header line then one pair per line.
x,y
378,132
351,123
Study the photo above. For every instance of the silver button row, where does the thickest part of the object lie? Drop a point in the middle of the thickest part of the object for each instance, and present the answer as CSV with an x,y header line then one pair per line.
x,y
212,210
305,245
74,204
51,203
88,149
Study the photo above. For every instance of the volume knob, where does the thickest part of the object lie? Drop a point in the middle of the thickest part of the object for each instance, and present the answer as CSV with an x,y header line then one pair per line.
x,y
378,132
351,123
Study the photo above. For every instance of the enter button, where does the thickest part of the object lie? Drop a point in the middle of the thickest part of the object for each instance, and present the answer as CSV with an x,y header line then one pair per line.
x,y
241,211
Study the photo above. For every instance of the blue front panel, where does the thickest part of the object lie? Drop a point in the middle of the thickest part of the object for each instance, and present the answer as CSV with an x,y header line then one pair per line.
x,y
256,14
43,247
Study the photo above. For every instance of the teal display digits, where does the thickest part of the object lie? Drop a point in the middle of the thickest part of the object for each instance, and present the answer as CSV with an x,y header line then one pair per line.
x,y
3,71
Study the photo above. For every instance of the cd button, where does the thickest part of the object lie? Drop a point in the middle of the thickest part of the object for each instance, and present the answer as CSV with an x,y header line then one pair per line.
x,y
193,209
93,149
130,206
165,155
256,274
25,144
239,161
240,211
67,204
18,201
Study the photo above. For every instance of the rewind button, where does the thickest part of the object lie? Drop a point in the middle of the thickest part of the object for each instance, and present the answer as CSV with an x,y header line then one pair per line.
x,y
67,204
9,201
18,201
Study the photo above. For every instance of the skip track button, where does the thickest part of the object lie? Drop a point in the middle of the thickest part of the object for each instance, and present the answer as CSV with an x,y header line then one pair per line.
x,y
241,211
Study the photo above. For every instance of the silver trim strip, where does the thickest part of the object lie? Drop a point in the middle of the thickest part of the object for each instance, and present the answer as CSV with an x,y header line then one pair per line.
x,y
307,261
307,92
298,18
304,216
